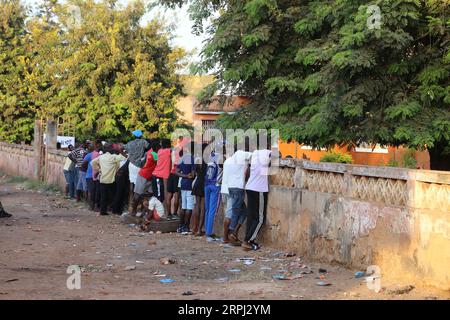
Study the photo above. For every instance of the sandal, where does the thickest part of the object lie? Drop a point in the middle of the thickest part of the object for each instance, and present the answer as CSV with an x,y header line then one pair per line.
x,y
234,238
255,246
235,243
246,246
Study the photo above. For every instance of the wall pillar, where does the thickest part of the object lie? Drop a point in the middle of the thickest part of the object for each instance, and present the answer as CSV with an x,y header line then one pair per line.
x,y
38,146
51,134
299,177
348,185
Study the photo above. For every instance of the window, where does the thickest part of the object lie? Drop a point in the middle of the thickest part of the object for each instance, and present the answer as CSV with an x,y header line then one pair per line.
x,y
366,147
206,125
306,147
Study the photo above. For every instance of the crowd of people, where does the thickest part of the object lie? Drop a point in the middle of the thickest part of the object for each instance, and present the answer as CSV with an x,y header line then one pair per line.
x,y
149,179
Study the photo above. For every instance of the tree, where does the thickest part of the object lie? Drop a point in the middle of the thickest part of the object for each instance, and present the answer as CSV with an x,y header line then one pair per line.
x,y
111,73
325,73
90,62
47,51
16,109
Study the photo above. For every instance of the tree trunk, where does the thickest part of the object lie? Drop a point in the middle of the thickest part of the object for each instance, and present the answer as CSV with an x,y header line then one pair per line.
x,y
439,160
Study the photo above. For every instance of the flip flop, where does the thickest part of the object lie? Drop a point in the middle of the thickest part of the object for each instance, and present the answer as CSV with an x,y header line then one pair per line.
x,y
235,243
256,246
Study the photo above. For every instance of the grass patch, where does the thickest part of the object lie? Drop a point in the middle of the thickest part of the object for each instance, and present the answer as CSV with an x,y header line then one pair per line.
x,y
40,186
30,184
16,179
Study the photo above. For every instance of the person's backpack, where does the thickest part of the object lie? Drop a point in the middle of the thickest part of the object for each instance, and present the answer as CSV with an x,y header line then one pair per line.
x,y
211,172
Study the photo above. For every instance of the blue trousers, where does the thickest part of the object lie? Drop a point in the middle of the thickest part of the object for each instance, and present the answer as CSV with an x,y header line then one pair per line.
x,y
69,175
238,208
212,202
82,183
76,177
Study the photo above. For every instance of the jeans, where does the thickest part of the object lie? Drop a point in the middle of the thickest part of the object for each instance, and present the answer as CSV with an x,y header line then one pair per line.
x,y
93,190
227,205
69,175
82,184
212,202
76,176
238,207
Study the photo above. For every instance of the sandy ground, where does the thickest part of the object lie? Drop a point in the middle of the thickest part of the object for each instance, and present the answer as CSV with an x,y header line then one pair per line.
x,y
49,233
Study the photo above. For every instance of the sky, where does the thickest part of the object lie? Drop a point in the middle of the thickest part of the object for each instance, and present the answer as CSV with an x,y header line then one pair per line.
x,y
180,17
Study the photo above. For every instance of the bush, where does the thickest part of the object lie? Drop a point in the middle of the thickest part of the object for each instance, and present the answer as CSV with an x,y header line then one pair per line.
x,y
409,159
393,163
337,157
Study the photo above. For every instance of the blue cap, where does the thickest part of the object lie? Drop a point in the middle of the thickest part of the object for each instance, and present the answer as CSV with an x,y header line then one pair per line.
x,y
137,133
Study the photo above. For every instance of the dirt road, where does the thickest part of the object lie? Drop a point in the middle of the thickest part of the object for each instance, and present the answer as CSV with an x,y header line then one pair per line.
x,y
49,233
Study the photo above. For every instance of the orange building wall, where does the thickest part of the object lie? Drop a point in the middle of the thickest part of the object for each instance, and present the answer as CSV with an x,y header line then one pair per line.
x,y
363,158
185,105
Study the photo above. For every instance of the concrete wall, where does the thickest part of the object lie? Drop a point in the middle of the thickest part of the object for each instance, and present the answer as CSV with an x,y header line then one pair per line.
x,y
358,216
20,160
17,160
54,168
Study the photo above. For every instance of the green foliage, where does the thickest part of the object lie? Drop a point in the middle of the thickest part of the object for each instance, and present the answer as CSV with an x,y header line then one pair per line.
x,y
16,179
350,83
31,184
393,163
337,157
16,107
109,74
409,159
41,186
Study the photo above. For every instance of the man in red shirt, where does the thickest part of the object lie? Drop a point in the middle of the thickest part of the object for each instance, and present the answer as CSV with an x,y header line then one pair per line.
x,y
162,173
144,177
173,190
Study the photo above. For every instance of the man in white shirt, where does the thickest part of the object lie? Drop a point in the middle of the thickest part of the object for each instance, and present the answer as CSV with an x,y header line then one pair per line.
x,y
226,201
257,189
107,165
235,180
69,175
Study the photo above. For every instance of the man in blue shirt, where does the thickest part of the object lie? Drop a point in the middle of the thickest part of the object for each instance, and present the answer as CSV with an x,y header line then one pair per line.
x,y
90,179
186,170
212,194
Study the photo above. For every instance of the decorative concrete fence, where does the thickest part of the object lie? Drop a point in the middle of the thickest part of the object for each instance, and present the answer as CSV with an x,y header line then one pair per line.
x,y
54,168
398,219
395,218
17,160
22,160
